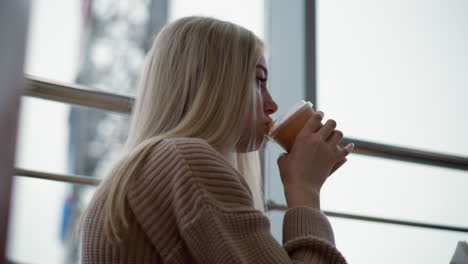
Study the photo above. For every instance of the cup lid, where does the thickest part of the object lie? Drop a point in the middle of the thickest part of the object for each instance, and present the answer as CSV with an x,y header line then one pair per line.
x,y
297,108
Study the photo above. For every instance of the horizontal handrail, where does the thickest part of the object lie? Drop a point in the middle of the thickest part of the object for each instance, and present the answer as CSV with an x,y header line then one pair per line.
x,y
270,205
80,95
57,177
76,94
407,154
274,206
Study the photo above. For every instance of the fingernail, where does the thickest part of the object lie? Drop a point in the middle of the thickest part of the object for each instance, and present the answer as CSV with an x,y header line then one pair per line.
x,y
350,146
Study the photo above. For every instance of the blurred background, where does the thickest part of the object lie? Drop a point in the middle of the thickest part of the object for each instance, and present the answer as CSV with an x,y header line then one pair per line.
x,y
389,72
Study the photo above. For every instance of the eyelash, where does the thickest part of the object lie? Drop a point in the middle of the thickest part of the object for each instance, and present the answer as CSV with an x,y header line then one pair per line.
x,y
261,80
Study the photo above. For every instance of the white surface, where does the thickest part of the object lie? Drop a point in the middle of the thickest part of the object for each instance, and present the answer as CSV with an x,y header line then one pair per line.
x,y
394,72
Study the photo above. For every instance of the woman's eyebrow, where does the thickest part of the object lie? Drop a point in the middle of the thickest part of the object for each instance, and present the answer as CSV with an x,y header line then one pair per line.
x,y
263,68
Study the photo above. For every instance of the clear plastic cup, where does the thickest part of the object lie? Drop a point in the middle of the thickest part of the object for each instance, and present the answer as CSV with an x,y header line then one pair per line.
x,y
285,129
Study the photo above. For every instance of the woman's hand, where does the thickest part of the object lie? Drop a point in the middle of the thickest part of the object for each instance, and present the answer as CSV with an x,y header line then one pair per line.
x,y
314,156
340,162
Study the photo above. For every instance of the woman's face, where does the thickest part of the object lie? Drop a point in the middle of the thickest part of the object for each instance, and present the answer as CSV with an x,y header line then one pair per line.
x,y
265,107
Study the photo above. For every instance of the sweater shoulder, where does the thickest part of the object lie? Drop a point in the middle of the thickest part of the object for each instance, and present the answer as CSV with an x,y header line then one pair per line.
x,y
190,151
219,180
189,173
197,152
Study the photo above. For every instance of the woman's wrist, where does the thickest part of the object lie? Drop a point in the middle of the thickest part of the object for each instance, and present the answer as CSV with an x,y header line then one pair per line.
x,y
297,196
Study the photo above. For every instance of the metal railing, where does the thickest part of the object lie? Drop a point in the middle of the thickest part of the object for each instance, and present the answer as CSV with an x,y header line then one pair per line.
x,y
407,154
271,205
76,94
79,95
57,177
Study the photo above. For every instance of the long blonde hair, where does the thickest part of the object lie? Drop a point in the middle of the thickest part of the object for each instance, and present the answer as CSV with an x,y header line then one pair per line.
x,y
198,81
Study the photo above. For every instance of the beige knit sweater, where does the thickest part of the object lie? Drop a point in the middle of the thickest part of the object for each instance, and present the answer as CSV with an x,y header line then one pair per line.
x,y
191,206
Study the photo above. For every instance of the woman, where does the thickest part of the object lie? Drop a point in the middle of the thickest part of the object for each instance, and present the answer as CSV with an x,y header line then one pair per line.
x,y
187,189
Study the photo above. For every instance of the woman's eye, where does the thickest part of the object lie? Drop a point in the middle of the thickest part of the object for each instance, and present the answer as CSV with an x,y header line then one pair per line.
x,y
261,80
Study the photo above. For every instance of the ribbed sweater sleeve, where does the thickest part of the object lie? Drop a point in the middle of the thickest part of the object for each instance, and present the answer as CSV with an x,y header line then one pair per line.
x,y
196,208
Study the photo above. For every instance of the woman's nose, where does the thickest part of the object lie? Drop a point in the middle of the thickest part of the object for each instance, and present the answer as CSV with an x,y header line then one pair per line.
x,y
270,106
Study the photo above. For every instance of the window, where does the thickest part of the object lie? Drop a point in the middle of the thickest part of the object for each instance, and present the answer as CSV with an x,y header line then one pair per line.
x,y
392,73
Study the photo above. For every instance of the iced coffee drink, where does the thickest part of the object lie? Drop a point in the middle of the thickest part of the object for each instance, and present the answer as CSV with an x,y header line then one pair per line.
x,y
285,129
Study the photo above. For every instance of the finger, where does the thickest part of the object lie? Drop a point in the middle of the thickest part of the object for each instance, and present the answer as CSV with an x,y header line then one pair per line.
x,y
327,129
314,122
320,113
346,150
338,165
335,138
